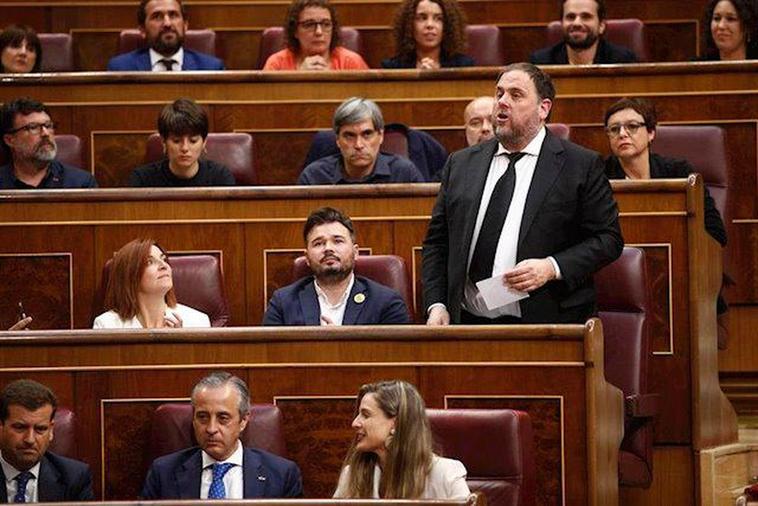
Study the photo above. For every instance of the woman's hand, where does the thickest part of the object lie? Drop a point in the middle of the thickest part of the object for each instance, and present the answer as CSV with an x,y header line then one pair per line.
x,y
315,62
428,64
173,320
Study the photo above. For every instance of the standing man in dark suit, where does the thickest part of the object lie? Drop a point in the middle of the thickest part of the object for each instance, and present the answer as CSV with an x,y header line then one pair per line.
x,y
583,24
541,230
164,24
334,295
220,467
29,472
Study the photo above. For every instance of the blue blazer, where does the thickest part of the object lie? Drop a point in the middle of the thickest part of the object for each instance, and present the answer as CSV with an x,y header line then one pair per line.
x,y
139,59
177,476
60,479
297,304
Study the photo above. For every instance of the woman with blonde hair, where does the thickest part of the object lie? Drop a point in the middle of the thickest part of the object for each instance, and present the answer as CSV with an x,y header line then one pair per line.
x,y
140,291
391,456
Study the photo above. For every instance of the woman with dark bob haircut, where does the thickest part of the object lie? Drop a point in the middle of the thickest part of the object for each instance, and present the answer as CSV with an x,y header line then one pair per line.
x,y
20,50
429,34
391,456
140,292
730,30
313,38
183,126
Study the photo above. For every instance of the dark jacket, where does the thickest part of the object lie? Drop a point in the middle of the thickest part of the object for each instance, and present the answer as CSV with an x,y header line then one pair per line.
x,y
606,53
158,175
139,59
60,479
58,176
456,60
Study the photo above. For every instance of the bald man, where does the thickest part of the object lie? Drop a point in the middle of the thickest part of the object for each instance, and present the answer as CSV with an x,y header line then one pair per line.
x,y
478,120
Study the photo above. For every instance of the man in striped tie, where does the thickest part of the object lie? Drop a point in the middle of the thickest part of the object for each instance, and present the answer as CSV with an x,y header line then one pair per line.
x,y
29,472
220,467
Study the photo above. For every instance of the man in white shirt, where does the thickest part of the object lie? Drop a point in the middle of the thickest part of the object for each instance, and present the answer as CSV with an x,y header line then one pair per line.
x,y
29,472
164,25
220,467
526,213
334,295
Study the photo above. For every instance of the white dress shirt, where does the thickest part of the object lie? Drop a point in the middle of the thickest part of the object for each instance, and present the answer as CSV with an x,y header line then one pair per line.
x,y
507,246
11,485
234,479
157,66
190,318
335,312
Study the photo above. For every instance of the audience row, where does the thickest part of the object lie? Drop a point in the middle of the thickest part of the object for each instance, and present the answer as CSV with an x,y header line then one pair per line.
x,y
391,455
429,34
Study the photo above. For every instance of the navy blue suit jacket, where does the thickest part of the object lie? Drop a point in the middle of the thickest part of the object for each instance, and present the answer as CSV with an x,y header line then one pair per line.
x,y
177,476
60,479
139,59
297,304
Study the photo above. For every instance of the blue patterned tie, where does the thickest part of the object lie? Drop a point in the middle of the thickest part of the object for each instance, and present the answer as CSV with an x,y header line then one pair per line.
x,y
22,479
217,490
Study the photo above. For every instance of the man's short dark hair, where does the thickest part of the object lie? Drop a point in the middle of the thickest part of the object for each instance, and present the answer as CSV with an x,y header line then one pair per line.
x,y
28,394
542,81
219,379
602,12
640,106
22,106
327,215
183,117
142,11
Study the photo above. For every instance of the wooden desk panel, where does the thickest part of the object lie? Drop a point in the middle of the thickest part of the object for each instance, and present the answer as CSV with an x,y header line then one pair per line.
x,y
554,372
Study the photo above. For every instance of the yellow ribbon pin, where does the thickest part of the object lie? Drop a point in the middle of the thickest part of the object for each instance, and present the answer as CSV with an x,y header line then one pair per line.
x,y
359,298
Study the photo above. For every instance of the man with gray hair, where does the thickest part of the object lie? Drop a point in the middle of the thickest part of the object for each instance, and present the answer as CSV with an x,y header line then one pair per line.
x,y
359,127
220,467
29,140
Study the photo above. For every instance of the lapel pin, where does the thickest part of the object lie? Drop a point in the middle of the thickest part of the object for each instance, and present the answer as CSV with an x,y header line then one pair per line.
x,y
359,298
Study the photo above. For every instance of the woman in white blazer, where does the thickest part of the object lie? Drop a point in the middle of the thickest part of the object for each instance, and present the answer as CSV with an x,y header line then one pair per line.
x,y
141,292
391,456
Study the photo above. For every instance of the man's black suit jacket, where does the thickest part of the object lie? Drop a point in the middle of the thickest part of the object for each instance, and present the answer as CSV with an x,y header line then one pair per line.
x,y
60,479
569,213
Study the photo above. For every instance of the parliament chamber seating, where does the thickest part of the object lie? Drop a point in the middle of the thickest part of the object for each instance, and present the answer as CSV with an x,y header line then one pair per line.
x,y
561,130
704,146
57,52
234,150
64,442
69,151
497,448
203,41
273,39
624,32
198,283
388,270
624,307
171,430
484,43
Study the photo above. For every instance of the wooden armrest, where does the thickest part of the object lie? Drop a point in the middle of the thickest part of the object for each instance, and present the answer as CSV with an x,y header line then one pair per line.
x,y
642,405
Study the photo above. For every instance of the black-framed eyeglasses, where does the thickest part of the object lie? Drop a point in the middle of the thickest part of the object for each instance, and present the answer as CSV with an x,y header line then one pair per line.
x,y
631,128
311,24
34,128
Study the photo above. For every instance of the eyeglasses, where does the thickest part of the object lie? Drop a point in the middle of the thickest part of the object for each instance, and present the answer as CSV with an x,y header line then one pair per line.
x,y
631,128
311,24
34,128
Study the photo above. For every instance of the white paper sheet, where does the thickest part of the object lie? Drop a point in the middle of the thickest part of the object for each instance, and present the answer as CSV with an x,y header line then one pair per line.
x,y
496,294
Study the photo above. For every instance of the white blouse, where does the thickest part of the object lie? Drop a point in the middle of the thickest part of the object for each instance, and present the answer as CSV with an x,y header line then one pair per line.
x,y
190,318
446,480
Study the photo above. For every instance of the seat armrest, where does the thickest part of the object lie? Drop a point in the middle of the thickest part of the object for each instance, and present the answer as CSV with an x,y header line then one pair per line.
x,y
642,405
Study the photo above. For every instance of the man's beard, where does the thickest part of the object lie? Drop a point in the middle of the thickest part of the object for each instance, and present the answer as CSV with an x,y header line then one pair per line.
x,y
43,155
332,275
168,48
585,43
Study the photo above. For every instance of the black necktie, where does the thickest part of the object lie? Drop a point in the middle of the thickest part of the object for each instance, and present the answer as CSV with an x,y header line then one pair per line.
x,y
492,225
168,63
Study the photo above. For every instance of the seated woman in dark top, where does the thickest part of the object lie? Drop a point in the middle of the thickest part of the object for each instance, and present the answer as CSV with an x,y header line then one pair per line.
x,y
429,34
630,125
730,30
20,50
183,126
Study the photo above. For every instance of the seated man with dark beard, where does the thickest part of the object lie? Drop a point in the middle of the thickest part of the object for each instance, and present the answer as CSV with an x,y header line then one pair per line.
x,y
334,295
583,23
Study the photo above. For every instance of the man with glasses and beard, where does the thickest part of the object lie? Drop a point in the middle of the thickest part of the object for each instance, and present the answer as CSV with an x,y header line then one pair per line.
x,y
163,23
583,23
333,295
29,142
